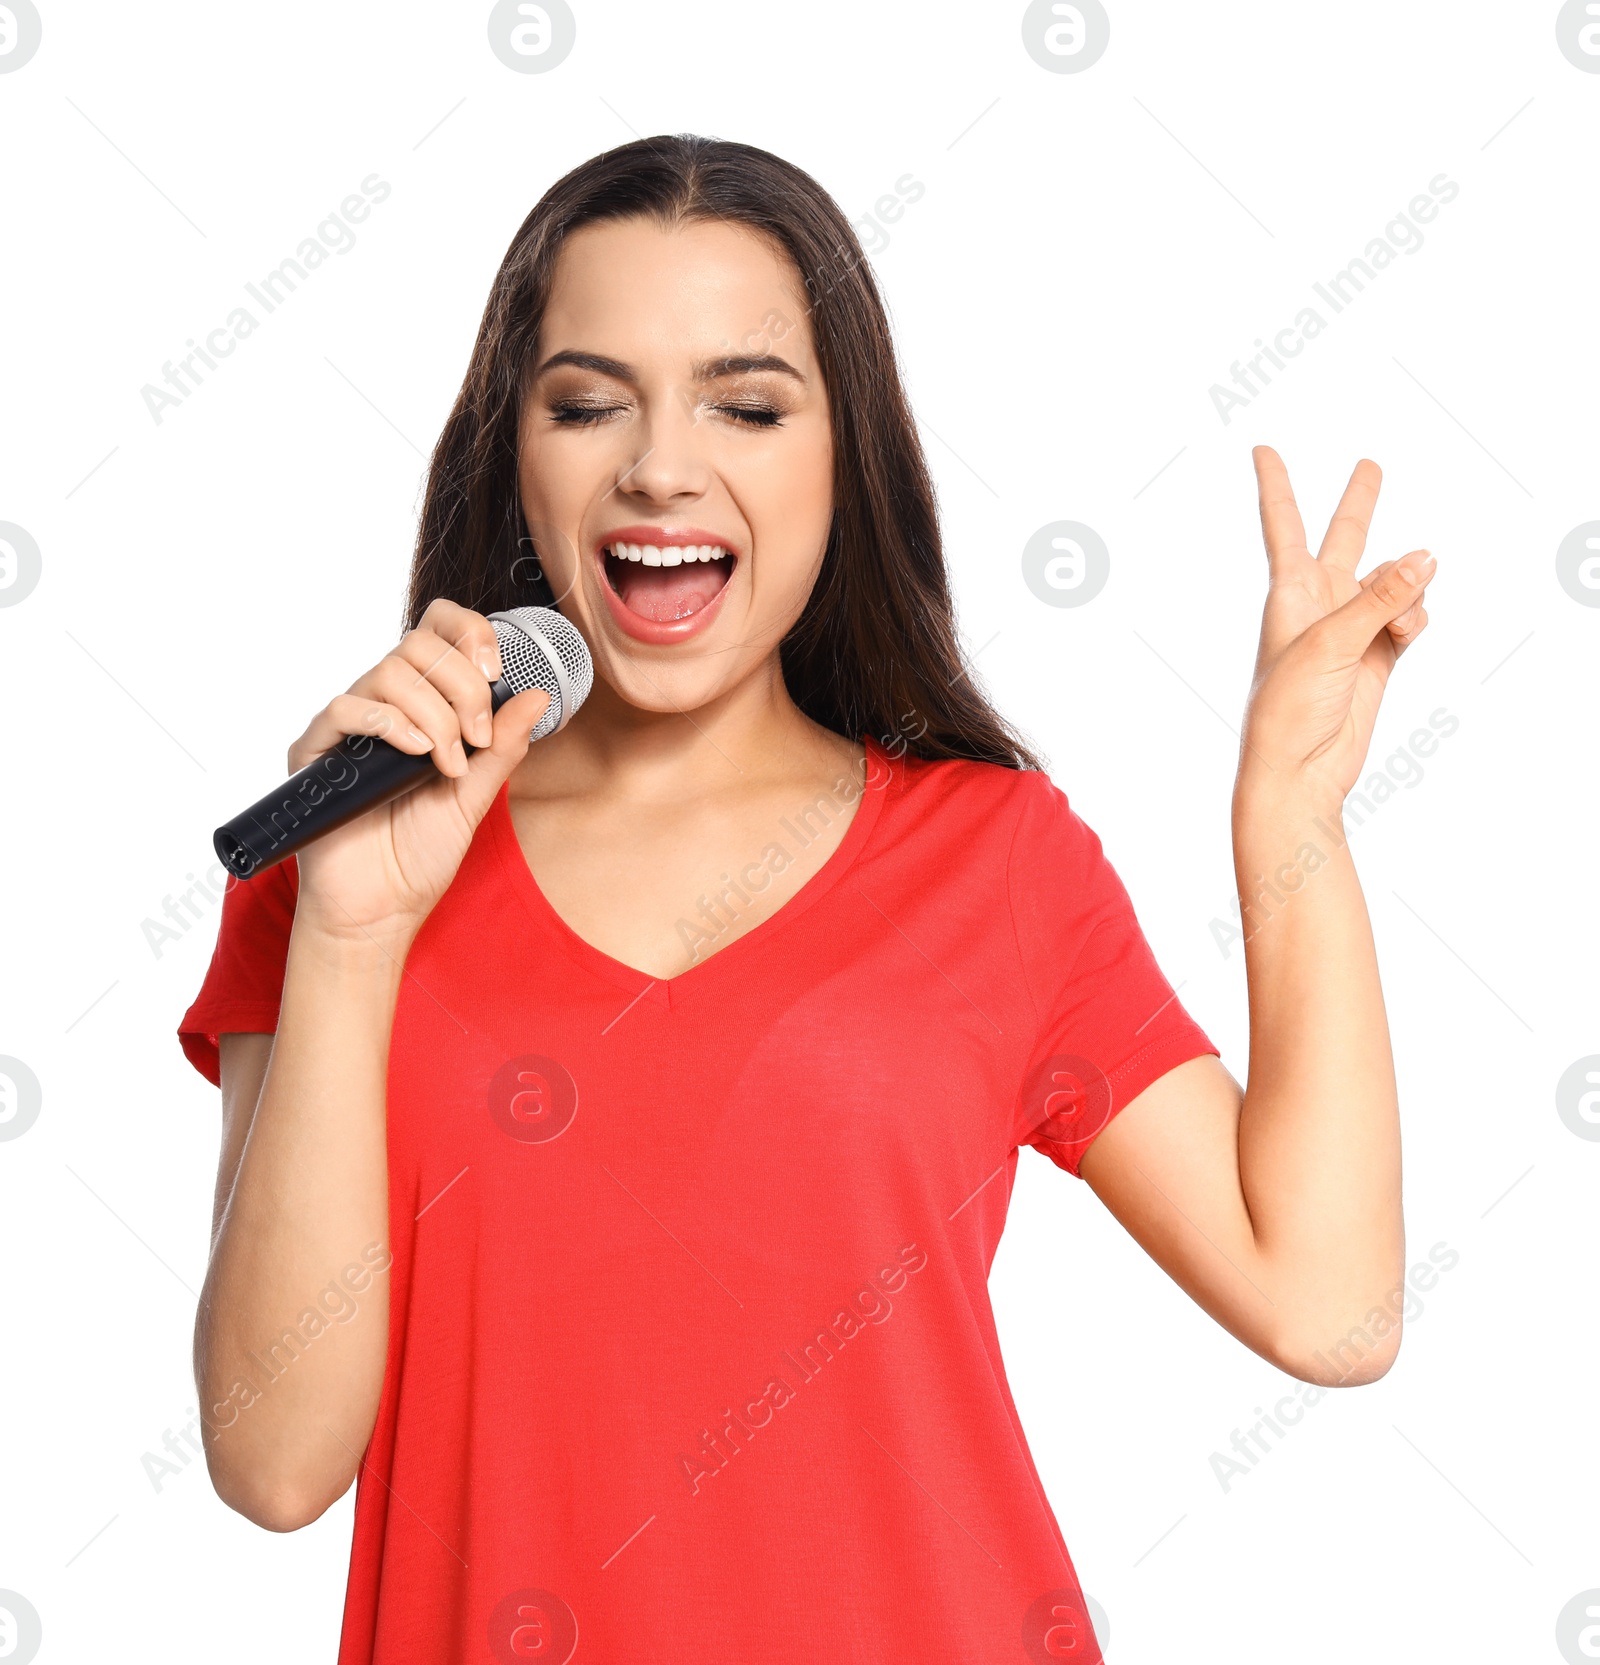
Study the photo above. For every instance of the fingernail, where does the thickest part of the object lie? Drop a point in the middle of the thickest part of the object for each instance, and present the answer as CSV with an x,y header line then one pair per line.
x,y
458,753
420,738
489,665
484,728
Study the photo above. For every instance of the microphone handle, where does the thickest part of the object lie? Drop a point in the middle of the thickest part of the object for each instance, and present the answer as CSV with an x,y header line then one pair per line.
x,y
358,774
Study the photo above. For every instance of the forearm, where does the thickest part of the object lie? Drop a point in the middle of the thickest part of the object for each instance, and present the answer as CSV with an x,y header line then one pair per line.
x,y
289,1400
1319,1134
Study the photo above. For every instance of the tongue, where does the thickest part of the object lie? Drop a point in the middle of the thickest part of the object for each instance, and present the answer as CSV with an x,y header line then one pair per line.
x,y
667,593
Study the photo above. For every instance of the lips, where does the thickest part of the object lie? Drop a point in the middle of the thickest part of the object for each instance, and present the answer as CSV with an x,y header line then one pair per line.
x,y
660,582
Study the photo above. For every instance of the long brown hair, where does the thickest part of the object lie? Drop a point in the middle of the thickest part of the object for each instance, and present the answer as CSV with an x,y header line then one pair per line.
x,y
875,650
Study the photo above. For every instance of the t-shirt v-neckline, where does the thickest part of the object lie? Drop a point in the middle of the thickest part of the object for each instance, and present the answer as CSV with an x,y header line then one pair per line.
x,y
503,832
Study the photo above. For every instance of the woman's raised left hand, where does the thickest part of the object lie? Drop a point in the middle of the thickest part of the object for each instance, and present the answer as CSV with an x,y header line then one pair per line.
x,y
1328,640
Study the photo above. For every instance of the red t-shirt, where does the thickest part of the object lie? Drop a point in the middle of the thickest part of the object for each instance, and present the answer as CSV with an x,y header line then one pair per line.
x,y
691,1356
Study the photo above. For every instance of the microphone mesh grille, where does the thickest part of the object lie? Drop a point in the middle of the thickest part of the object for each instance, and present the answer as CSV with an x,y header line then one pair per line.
x,y
541,649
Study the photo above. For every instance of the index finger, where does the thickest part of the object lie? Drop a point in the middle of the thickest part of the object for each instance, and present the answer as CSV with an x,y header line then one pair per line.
x,y
1281,527
467,632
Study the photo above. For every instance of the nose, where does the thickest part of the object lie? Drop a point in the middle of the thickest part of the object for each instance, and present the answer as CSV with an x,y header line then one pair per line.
x,y
665,460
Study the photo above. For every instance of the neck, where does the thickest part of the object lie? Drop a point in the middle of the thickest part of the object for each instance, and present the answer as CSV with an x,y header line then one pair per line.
x,y
753,732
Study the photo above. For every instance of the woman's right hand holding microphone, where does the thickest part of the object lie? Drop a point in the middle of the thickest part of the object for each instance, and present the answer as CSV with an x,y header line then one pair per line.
x,y
380,874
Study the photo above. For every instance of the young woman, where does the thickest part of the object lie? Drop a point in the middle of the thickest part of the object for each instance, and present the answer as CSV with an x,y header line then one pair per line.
x,y
618,1131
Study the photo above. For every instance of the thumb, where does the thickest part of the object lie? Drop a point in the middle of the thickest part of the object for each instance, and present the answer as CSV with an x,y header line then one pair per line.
x,y
489,766
1391,590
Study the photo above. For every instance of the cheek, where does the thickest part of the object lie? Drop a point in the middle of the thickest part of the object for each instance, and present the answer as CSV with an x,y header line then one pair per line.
x,y
787,500
553,496
548,481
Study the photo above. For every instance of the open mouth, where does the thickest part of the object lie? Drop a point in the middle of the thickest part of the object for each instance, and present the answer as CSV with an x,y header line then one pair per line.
x,y
667,582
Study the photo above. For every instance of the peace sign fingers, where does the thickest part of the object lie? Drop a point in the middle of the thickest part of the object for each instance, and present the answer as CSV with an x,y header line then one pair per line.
x,y
1346,538
1282,530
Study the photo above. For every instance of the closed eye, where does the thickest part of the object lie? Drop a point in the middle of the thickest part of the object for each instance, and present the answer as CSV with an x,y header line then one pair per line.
x,y
761,416
586,416
581,416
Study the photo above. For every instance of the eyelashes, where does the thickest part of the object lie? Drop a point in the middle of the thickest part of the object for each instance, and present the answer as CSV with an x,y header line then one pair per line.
x,y
580,416
569,415
757,416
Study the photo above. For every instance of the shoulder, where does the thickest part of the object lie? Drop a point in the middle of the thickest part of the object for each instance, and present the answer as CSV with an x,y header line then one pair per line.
x,y
1018,823
257,917
244,982
970,813
265,900
985,796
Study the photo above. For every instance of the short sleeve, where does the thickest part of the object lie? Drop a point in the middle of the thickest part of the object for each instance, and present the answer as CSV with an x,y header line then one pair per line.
x,y
1109,1022
244,984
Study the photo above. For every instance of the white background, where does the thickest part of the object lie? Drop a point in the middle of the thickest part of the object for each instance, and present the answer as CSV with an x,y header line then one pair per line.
x,y
1092,252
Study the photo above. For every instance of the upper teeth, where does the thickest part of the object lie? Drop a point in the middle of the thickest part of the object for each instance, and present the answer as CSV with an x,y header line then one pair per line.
x,y
670,555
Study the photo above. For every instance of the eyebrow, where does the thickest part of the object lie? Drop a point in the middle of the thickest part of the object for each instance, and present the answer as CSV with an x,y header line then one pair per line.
x,y
707,370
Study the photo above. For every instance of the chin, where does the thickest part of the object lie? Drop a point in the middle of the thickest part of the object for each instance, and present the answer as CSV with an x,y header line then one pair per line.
x,y
671,683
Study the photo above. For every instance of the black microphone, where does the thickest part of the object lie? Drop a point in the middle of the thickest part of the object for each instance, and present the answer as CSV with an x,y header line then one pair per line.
x,y
538,649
